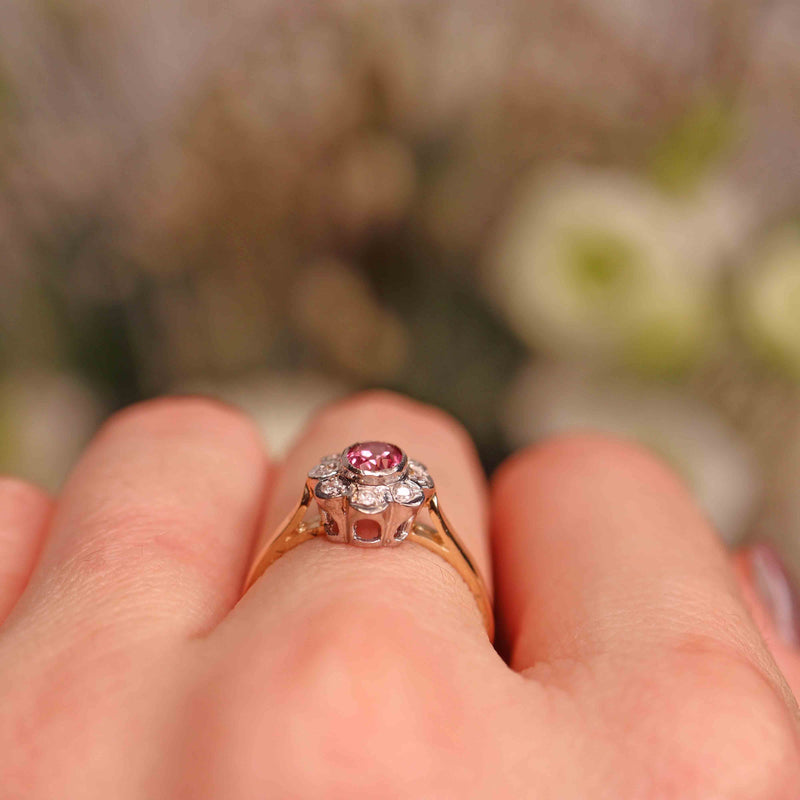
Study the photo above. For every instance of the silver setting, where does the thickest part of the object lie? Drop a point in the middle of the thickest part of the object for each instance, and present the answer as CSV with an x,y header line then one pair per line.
x,y
370,499
418,473
327,467
331,488
408,493
369,508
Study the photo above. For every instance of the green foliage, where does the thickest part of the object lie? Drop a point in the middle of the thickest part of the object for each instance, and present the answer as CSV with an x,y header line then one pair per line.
x,y
698,140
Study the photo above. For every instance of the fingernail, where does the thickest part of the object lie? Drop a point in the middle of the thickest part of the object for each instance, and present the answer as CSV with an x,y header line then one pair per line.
x,y
777,591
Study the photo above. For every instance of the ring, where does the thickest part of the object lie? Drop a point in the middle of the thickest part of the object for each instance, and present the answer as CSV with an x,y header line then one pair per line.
x,y
370,495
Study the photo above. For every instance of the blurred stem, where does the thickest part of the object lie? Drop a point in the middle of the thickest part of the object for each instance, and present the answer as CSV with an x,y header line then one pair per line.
x,y
695,143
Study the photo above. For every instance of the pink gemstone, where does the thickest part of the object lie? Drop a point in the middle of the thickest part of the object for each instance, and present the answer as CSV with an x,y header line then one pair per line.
x,y
374,456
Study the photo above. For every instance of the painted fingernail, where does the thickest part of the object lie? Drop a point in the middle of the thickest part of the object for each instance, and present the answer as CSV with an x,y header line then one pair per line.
x,y
777,591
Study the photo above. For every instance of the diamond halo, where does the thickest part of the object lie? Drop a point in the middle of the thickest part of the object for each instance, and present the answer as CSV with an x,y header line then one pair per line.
x,y
371,486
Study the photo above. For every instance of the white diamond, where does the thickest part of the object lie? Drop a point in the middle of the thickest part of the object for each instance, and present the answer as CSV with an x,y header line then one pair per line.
x,y
327,467
371,499
408,493
419,474
332,487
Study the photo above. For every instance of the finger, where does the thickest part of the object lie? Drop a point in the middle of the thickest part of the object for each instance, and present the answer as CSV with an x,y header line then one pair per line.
x,y
24,512
366,656
153,528
600,550
772,598
406,580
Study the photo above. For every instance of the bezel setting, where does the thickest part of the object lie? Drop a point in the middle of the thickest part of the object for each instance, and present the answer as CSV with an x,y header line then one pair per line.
x,y
383,500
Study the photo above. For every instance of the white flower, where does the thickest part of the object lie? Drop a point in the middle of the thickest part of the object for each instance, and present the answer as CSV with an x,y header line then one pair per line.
x,y
768,301
597,264
687,434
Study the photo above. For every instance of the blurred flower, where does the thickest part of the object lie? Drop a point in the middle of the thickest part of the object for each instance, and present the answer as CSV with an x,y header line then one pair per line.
x,y
337,313
718,221
687,434
280,403
373,182
191,189
597,264
768,301
45,420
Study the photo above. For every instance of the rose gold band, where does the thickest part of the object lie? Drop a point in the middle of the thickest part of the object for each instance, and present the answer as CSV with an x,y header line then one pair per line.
x,y
438,537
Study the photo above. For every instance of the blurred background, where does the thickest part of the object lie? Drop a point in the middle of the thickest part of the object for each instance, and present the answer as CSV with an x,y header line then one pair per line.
x,y
539,215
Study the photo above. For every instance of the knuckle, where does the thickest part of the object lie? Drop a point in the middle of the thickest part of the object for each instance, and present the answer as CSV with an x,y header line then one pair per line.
x,y
124,547
56,706
371,403
354,688
578,457
400,416
724,729
370,654
169,416
758,751
18,492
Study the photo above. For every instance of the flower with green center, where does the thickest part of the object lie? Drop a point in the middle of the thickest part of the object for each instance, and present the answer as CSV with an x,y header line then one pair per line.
x,y
601,262
768,302
596,264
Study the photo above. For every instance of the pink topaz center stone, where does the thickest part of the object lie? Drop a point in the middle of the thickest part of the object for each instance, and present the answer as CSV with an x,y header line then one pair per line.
x,y
374,456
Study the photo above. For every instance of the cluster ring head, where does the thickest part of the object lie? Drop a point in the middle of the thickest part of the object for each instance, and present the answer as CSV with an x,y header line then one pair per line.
x,y
370,493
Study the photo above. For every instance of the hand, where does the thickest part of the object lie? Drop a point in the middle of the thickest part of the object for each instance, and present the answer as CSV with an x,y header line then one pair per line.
x,y
128,670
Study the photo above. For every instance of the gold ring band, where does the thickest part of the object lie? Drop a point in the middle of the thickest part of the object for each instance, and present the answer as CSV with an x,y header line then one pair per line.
x,y
438,536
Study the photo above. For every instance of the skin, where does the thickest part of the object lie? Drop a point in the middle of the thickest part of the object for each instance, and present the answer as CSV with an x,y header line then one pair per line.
x,y
636,663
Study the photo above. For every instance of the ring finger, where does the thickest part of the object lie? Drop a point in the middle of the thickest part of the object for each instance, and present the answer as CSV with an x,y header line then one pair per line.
x,y
363,656
407,578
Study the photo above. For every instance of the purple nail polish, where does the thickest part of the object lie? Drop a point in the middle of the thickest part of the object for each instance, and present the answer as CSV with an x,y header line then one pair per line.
x,y
777,591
